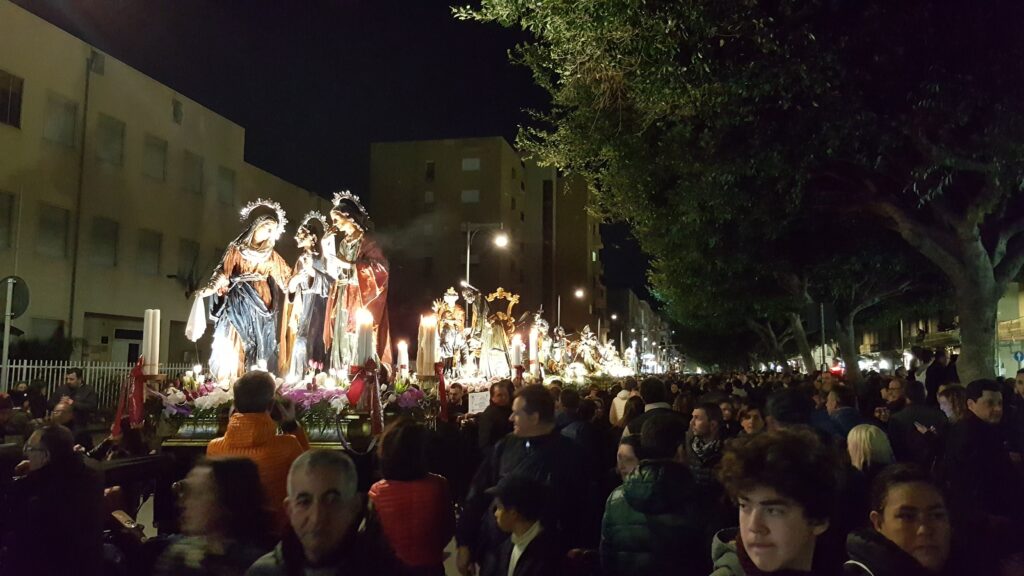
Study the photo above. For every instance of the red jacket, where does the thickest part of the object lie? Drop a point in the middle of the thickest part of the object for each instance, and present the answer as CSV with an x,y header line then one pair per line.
x,y
254,436
417,518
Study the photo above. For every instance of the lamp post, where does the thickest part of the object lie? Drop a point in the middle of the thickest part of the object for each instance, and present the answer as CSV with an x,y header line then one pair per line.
x,y
471,228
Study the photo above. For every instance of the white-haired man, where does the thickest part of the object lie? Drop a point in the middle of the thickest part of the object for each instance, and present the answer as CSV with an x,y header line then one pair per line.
x,y
330,532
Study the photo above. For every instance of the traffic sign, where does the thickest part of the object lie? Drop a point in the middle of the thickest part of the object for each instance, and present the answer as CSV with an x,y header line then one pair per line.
x,y
1018,356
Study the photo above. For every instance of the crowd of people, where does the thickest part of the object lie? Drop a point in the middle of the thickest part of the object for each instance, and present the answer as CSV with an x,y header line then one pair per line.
x,y
723,475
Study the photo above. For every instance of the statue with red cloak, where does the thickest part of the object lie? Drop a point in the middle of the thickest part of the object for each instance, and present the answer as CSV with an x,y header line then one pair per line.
x,y
359,269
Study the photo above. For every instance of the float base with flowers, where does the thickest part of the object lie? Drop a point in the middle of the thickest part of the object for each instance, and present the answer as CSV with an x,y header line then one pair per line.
x,y
334,412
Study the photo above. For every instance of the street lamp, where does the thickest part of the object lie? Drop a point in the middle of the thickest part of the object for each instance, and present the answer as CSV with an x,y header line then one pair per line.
x,y
615,317
471,228
578,293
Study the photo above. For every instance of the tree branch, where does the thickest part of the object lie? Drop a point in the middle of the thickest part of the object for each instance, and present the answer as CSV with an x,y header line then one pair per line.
x,y
1007,232
933,244
1010,264
880,297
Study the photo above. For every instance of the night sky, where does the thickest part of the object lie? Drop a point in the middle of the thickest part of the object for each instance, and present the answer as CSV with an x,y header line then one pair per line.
x,y
315,82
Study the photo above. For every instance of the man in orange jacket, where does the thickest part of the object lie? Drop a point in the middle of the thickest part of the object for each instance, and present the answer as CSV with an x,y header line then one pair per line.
x,y
252,434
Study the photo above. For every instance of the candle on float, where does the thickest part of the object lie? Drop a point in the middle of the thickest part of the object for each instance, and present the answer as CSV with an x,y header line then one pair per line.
x,y
147,335
403,358
155,342
365,349
534,348
427,352
517,350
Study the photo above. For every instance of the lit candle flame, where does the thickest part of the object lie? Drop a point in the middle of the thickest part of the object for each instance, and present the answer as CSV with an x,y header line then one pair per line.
x,y
363,316
402,345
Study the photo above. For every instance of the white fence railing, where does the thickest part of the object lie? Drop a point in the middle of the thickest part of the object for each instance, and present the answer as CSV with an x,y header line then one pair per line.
x,y
105,377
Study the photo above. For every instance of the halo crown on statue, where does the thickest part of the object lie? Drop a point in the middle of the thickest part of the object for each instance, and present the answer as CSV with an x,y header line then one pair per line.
x,y
349,205
314,216
279,215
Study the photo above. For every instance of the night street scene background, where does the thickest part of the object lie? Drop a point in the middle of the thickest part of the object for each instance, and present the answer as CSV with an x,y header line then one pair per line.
x,y
589,287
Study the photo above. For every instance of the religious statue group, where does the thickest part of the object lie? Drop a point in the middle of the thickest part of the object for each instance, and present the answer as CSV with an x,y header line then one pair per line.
x,y
293,319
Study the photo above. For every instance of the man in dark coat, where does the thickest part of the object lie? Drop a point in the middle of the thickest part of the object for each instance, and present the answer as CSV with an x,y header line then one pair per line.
x,y
917,430
531,550
83,399
841,405
655,396
53,516
658,522
534,450
977,466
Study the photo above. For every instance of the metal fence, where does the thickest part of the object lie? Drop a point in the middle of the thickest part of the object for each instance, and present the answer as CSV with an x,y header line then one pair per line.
x,y
105,377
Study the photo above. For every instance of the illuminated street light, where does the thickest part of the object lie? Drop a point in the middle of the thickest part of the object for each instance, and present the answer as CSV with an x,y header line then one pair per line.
x,y
471,228
579,293
615,316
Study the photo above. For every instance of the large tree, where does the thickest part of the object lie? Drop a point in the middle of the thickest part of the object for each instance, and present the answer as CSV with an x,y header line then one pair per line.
x,y
909,111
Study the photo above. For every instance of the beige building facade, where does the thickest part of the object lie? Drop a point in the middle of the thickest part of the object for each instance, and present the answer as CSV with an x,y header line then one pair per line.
x,y
117,194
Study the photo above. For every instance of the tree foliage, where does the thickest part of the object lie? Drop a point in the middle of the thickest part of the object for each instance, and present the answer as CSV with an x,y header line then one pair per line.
x,y
716,116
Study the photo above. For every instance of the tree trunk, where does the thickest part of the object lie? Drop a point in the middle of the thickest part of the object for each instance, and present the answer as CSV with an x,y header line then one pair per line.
x,y
976,305
800,335
849,352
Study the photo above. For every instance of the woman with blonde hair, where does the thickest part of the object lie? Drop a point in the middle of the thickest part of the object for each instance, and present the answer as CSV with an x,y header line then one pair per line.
x,y
869,449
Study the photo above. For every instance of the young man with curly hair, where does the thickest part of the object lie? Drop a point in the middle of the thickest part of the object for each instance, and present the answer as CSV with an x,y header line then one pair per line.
x,y
784,483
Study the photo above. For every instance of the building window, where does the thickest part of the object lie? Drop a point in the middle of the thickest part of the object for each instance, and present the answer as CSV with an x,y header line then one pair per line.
x,y
148,261
103,238
154,158
192,176
110,140
188,258
513,203
429,176
11,88
225,185
52,235
7,207
470,196
522,216
470,164
593,255
177,111
428,197
61,120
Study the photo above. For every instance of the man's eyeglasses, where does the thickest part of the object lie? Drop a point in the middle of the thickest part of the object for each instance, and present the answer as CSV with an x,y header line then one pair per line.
x,y
27,449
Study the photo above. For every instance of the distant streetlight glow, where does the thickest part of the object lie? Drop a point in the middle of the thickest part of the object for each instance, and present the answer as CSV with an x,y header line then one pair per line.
x,y
615,316
501,239
578,293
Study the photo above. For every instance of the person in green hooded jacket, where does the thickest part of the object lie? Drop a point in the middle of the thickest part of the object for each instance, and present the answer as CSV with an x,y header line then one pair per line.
x,y
657,522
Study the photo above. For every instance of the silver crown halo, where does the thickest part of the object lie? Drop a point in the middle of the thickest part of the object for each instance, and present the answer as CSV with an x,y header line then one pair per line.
x,y
314,215
346,195
281,220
